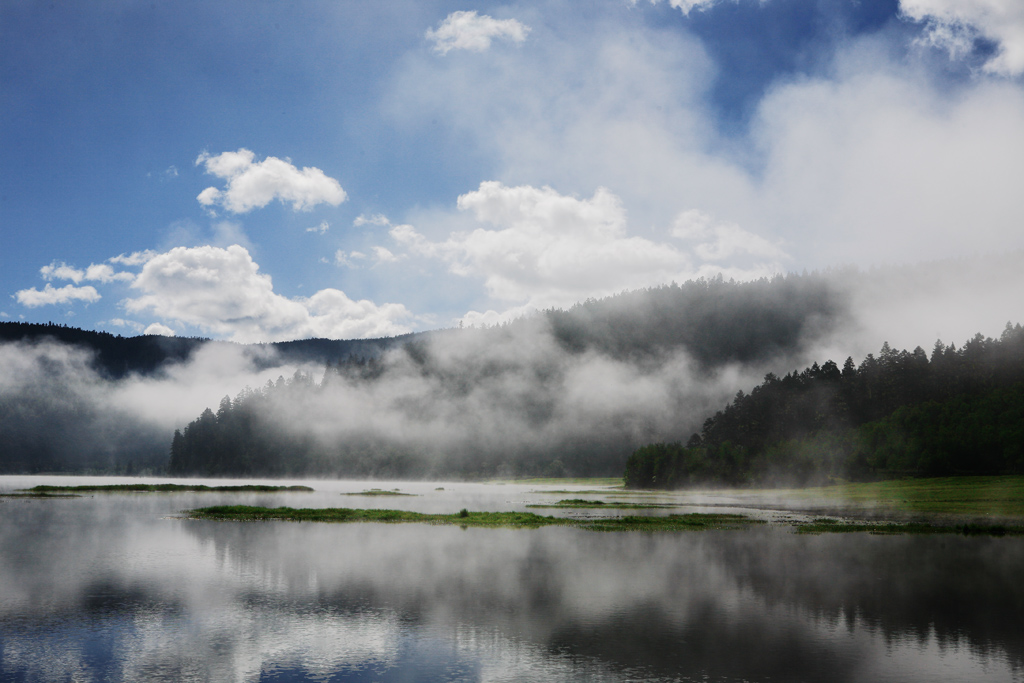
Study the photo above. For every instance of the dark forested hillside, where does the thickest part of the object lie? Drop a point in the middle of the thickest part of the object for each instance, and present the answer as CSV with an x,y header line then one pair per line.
x,y
114,356
716,321
959,411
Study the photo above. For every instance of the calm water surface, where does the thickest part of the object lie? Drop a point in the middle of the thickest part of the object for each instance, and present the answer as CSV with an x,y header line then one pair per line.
x,y
116,588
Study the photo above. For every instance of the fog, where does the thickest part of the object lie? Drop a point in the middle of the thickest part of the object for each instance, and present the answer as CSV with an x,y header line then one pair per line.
x,y
526,398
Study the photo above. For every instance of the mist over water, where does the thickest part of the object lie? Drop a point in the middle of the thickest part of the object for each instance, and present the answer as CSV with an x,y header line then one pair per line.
x,y
508,400
113,587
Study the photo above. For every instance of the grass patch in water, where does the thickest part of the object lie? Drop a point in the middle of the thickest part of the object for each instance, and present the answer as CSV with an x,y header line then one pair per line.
x,y
465,518
379,492
167,488
600,504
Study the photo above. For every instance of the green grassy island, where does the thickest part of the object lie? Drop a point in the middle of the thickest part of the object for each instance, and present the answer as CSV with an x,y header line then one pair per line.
x,y
602,505
169,488
379,492
465,518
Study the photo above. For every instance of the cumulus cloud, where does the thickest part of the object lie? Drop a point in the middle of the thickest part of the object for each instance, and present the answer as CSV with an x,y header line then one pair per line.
x,y
98,272
320,229
546,249
470,31
61,271
955,24
50,295
223,292
253,184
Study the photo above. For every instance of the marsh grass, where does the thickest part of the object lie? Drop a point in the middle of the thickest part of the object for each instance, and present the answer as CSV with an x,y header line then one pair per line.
x,y
166,488
992,496
832,526
600,504
465,518
379,492
39,494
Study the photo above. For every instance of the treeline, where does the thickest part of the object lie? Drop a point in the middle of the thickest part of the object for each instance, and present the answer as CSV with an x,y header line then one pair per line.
x,y
902,413
115,357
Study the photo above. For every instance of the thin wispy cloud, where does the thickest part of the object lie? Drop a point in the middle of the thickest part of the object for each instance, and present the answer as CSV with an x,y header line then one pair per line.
x,y
955,25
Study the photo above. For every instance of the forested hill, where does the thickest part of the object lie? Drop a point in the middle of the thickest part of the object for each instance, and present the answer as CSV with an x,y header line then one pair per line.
x,y
714,320
116,357
570,391
961,411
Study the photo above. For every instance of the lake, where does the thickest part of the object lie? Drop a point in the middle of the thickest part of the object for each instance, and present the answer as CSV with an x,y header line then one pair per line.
x,y
117,587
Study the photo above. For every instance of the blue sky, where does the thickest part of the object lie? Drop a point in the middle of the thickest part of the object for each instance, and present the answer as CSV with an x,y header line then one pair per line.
x,y
261,171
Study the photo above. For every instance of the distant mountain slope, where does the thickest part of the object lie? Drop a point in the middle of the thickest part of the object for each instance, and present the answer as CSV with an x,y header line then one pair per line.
x,y
117,356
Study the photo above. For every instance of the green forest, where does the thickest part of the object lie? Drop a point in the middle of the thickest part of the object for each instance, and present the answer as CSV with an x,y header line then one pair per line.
x,y
902,413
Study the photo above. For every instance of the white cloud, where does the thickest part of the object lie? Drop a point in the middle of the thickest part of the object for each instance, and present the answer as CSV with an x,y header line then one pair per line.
x,y
136,258
159,329
320,229
470,31
721,241
547,249
252,184
686,6
874,166
954,24
384,255
222,291
101,272
97,272
869,161
375,219
121,322
61,271
348,259
56,295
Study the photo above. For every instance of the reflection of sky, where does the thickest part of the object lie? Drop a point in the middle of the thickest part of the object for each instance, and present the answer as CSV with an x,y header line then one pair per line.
x,y
108,588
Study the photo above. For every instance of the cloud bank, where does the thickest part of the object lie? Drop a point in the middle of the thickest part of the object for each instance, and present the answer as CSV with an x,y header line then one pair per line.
x,y
541,249
220,290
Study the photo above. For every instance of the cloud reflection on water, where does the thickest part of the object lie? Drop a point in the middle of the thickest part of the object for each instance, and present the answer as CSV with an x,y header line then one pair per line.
x,y
108,588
